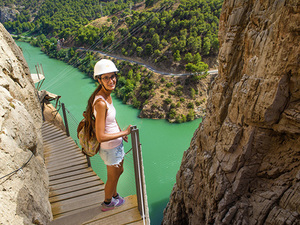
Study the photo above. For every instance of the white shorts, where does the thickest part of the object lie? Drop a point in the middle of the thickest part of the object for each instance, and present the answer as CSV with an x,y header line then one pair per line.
x,y
114,156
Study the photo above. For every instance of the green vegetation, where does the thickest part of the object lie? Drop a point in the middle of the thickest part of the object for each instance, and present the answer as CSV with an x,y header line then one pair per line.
x,y
62,18
169,33
163,33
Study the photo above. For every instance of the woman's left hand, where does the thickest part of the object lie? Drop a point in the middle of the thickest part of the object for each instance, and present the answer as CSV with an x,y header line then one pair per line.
x,y
125,138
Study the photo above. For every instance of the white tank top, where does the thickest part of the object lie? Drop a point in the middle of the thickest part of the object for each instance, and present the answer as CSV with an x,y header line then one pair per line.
x,y
111,125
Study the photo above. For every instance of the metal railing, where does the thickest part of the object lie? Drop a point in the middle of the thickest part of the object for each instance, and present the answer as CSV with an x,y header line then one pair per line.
x,y
139,175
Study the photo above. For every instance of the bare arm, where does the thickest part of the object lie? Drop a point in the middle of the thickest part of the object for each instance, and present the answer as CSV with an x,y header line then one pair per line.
x,y
125,138
100,107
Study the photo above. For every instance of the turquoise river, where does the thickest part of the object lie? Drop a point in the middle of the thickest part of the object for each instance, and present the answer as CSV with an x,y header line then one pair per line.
x,y
163,143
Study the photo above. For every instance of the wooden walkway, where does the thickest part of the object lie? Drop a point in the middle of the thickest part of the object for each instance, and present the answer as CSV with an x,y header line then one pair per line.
x,y
76,192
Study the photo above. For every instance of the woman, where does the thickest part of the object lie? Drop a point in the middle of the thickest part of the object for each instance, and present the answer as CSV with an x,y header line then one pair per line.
x,y
107,130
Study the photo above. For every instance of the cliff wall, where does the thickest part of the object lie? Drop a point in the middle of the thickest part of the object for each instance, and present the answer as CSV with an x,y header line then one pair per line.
x,y
243,163
23,194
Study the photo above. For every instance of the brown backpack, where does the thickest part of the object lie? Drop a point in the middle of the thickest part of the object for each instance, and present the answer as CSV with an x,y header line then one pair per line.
x,y
88,147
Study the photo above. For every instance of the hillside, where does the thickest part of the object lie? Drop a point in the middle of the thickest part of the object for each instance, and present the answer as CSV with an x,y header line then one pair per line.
x,y
172,36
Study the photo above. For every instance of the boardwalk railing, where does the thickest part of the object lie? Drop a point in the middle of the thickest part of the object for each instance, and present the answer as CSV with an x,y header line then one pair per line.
x,y
139,175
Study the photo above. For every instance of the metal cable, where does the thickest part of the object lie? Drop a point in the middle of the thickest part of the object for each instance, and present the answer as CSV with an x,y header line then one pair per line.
x,y
19,168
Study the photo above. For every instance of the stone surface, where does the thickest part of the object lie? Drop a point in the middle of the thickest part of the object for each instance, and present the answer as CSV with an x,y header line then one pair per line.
x,y
243,163
8,14
24,194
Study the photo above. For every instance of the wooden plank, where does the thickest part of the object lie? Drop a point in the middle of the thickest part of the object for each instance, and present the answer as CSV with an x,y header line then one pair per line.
x,y
52,135
75,194
138,222
66,170
64,157
55,146
48,135
120,218
81,202
74,183
76,163
71,178
72,173
77,217
64,149
51,129
75,188
47,127
57,138
130,202
53,163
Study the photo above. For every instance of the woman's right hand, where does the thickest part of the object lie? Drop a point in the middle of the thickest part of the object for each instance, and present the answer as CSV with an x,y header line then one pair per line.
x,y
128,130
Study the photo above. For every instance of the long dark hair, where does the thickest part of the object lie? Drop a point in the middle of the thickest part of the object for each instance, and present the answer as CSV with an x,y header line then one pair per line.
x,y
89,115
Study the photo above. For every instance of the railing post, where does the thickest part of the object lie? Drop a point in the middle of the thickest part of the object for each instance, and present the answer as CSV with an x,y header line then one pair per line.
x,y
139,174
88,161
65,119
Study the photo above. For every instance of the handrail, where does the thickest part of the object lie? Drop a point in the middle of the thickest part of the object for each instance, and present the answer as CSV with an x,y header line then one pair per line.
x,y
65,119
139,175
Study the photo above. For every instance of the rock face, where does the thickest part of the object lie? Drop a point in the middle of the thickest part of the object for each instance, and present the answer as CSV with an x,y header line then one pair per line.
x,y
7,14
23,194
243,164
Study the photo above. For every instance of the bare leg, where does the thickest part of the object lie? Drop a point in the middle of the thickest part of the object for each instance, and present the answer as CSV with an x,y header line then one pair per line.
x,y
113,175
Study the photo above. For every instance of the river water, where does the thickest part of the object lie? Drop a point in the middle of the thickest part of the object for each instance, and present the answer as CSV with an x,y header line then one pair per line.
x,y
163,143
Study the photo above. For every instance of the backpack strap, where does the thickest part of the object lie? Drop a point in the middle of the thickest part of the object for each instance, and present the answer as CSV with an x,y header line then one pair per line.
x,y
98,100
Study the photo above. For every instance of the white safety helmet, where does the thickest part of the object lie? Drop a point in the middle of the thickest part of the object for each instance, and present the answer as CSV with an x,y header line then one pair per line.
x,y
104,66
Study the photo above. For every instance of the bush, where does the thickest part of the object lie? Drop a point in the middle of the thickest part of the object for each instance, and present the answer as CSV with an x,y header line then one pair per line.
x,y
190,105
191,115
168,85
154,106
170,92
172,114
167,101
136,103
193,93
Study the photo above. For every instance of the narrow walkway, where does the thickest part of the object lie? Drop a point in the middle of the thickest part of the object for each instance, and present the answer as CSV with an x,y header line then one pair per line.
x,y
75,190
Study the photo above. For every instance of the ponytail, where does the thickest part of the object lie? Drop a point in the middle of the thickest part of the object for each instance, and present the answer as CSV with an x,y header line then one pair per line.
x,y
89,115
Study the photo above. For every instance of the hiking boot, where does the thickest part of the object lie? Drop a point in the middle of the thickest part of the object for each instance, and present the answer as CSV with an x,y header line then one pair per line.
x,y
121,200
114,202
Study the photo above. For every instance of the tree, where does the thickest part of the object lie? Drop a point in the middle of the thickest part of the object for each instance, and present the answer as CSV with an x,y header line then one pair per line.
x,y
206,46
155,40
197,58
177,56
139,50
193,92
148,49
188,57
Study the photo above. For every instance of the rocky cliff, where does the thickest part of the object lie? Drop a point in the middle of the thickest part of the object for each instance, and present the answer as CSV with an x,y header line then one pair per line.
x,y
24,193
243,163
